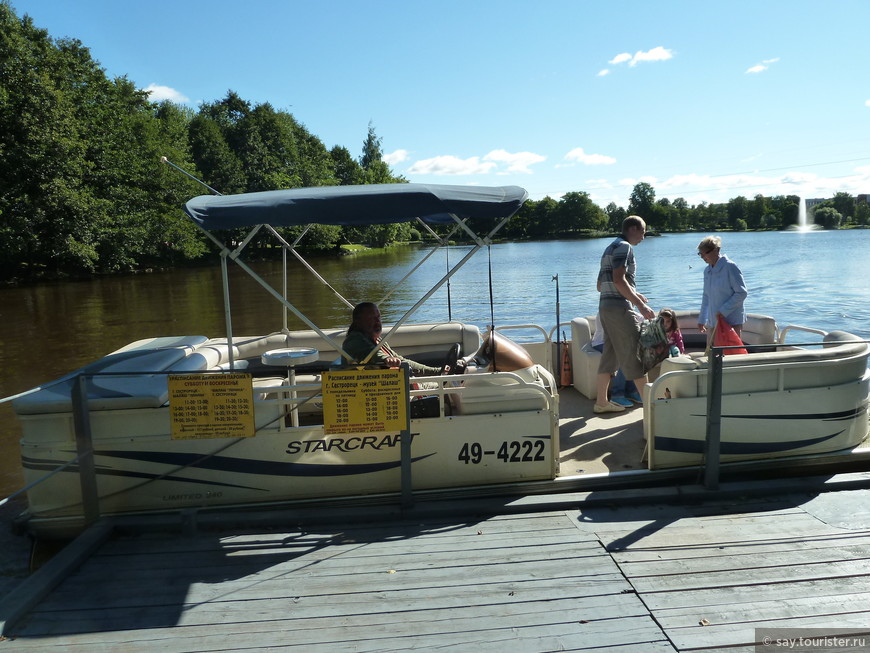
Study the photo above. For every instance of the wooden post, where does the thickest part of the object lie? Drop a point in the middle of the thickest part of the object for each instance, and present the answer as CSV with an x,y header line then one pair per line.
x,y
85,450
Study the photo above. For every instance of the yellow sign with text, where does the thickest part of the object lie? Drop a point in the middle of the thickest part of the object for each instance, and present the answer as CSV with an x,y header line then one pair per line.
x,y
365,401
205,406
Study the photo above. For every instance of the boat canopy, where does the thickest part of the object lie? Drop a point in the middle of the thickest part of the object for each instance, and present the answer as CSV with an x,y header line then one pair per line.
x,y
427,204
355,205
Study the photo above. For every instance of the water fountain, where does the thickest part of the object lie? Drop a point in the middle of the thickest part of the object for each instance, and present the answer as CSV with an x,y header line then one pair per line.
x,y
802,224
802,214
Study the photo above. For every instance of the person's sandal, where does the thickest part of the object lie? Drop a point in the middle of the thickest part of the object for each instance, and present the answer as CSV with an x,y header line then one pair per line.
x,y
609,407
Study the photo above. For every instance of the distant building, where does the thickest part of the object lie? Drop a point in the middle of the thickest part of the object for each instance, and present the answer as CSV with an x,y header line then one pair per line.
x,y
864,197
810,203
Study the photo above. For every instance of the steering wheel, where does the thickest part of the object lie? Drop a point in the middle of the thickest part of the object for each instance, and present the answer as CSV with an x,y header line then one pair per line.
x,y
451,358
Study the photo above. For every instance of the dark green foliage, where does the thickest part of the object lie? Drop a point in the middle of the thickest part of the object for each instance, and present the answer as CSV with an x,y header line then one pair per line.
x,y
81,188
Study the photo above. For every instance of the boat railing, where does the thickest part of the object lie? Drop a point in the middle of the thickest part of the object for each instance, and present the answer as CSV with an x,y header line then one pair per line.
x,y
547,360
795,327
294,397
715,370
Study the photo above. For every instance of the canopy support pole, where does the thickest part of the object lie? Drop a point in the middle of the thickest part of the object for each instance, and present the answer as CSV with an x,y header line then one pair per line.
x,y
291,248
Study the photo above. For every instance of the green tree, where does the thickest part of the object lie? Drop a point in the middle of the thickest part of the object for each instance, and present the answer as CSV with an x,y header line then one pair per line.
x,y
679,214
738,211
844,204
828,217
218,164
375,170
80,185
662,213
345,169
642,201
543,218
577,212
615,217
756,211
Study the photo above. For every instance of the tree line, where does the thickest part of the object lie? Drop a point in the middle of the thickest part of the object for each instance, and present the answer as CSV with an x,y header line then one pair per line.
x,y
576,215
82,190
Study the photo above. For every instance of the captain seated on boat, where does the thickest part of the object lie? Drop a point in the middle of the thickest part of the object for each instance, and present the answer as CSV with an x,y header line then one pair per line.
x,y
364,335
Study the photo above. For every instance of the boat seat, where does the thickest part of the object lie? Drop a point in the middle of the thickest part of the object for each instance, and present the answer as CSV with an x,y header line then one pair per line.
x,y
109,392
191,354
501,392
164,342
757,330
426,343
764,372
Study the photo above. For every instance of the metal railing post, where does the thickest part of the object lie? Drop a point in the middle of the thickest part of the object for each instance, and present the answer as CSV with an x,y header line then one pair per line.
x,y
85,449
405,443
714,419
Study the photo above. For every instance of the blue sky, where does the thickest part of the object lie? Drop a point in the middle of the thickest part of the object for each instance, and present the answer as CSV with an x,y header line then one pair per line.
x,y
703,99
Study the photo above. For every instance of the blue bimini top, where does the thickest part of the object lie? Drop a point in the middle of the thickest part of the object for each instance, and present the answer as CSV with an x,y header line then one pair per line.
x,y
355,205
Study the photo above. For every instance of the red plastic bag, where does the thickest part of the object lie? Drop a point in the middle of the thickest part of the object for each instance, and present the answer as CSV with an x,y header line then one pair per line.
x,y
726,336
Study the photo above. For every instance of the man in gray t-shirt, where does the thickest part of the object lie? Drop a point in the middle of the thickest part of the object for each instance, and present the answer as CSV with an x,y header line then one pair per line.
x,y
616,308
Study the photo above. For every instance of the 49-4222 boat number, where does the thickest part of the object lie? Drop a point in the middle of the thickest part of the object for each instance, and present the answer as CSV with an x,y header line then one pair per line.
x,y
527,451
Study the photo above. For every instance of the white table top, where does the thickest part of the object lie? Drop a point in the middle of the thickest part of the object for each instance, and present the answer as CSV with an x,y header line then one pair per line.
x,y
290,356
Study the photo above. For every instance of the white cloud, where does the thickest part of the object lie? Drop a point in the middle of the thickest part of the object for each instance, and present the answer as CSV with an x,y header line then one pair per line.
x,y
620,58
517,161
867,103
395,157
606,71
158,93
451,165
761,67
656,54
578,155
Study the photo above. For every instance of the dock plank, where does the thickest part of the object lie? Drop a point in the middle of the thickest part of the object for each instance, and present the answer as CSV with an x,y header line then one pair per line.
x,y
699,576
629,634
536,582
712,578
312,606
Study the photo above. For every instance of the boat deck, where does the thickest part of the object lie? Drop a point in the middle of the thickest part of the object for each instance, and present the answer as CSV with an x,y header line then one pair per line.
x,y
654,570
598,444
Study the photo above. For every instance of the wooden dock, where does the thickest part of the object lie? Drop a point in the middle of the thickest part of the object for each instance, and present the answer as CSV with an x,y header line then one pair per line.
x,y
672,569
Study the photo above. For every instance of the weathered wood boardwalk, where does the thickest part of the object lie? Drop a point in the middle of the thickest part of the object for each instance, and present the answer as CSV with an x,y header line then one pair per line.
x,y
618,573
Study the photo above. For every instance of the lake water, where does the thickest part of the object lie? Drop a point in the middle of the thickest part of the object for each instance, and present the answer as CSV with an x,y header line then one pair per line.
x,y
816,279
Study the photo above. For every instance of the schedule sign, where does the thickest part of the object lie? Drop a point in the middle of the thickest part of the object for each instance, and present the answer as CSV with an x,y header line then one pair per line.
x,y
364,401
203,406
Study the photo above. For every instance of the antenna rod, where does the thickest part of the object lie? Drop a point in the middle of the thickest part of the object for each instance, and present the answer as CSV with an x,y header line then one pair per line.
x,y
163,159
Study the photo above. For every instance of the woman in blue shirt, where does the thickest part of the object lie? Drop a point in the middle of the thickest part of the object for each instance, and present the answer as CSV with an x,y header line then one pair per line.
x,y
724,288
